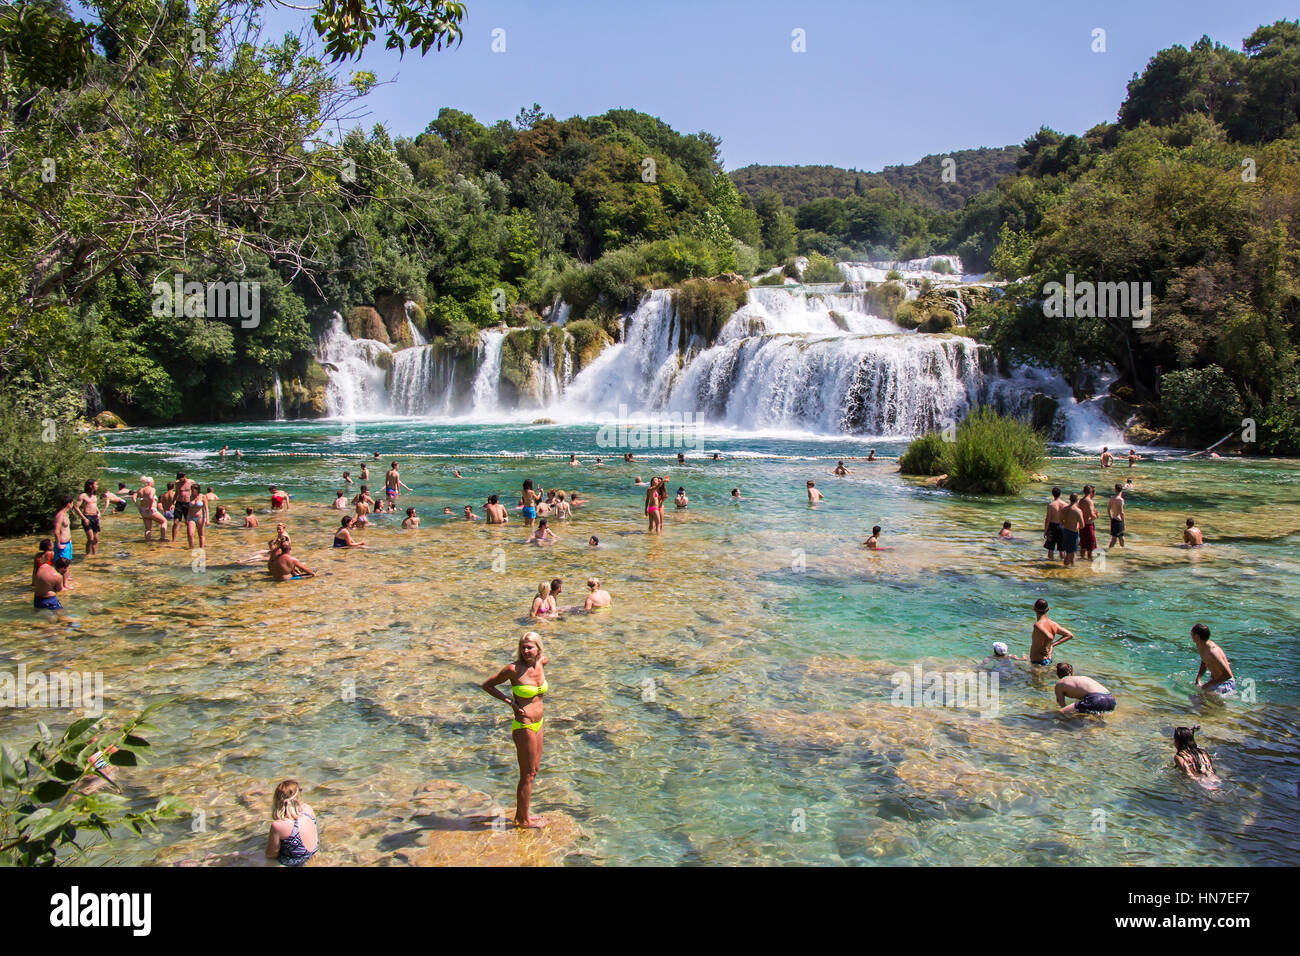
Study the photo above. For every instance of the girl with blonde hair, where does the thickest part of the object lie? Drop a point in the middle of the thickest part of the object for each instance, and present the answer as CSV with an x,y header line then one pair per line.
x,y
294,837
543,603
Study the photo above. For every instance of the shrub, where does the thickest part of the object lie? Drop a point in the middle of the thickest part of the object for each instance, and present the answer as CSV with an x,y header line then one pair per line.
x,y
40,472
893,275
704,305
943,266
993,454
883,300
821,269
1200,401
939,320
776,278
905,316
924,456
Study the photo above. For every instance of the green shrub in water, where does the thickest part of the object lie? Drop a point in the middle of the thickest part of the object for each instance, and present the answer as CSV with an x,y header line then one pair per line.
x,y
924,456
40,461
993,454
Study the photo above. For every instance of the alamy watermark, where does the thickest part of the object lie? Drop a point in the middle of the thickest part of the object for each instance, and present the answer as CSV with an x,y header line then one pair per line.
x,y
69,690
958,689
653,430
1098,300
213,300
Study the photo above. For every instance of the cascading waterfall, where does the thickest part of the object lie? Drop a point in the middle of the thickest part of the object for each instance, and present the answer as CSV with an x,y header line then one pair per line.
x,y
356,379
416,336
483,394
792,358
279,397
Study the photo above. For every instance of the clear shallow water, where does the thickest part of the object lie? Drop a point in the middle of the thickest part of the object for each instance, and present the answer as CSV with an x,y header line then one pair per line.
x,y
741,683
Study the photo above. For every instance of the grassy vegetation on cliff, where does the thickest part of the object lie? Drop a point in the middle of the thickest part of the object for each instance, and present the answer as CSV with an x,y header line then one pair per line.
x,y
990,454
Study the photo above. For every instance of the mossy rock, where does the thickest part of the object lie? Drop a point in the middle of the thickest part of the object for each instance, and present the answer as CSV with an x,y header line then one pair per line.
x,y
885,299
905,317
392,309
839,320
588,341
365,323
107,419
939,320
704,305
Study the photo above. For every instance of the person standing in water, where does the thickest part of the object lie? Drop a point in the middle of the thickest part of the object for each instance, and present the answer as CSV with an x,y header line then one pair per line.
x,y
528,503
527,680
196,520
543,604
88,506
1052,530
1221,679
496,512
1043,638
1192,536
146,502
1115,508
1071,525
393,484
343,536
63,528
654,506
1107,459
814,495
840,471
1088,535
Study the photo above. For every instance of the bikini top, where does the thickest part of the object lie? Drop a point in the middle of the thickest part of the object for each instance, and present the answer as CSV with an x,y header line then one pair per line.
x,y
530,690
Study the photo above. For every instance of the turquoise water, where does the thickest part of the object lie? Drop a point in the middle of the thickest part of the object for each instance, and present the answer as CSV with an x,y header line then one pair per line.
x,y
735,705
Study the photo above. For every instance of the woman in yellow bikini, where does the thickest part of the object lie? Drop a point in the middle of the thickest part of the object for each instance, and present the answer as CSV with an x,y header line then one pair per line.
x,y
527,687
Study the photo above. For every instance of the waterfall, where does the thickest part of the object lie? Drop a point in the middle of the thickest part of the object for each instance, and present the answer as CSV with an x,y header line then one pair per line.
x,y
416,337
279,398
356,379
483,394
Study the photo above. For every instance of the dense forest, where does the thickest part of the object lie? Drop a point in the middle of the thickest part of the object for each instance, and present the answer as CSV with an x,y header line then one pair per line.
x,y
148,159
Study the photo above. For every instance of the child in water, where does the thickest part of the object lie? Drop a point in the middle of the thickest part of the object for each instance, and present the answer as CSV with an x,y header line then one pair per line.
x,y
1192,760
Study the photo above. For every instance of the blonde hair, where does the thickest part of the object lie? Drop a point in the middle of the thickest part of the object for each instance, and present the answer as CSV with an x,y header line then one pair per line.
x,y
593,583
536,639
287,802
544,589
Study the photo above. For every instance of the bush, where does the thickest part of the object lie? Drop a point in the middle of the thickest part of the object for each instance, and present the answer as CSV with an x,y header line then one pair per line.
x,y
1200,401
821,269
704,305
883,300
905,316
993,454
776,278
40,472
939,320
924,456
893,275
943,267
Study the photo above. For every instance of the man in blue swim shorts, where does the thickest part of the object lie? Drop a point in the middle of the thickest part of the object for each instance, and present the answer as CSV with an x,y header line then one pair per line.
x,y
1046,635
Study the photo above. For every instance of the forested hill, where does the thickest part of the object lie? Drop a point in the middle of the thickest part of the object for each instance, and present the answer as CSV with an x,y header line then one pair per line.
x,y
921,183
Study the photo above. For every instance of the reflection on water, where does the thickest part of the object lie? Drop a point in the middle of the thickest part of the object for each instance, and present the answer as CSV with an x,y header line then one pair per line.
x,y
734,706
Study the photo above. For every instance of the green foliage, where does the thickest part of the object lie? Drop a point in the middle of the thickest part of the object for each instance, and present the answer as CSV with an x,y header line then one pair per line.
x,y
776,278
43,460
821,269
704,305
1201,402
992,454
924,455
45,808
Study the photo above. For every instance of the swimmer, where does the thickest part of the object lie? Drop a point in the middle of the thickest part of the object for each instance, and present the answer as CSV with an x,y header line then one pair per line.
x,y
1044,637
340,501
347,478
1192,536
88,508
1115,508
250,519
222,517
224,448
1071,526
1192,760
528,685
563,509
543,604
1090,697
455,473
557,585
343,536
446,511
1006,530
716,457
1053,537
46,583
542,534
840,471
363,503
1132,459
411,520
814,495
393,484
120,500
654,499
735,494
496,512
146,502
284,566
1128,484
196,520
573,461
63,528
210,495
598,597
1107,459
871,456
637,480
873,542
1003,653
528,503
1221,679
469,514
681,501
593,542
279,500
295,835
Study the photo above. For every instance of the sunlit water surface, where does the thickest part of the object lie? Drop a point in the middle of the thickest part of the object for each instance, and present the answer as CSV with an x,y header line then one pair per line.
x,y
734,706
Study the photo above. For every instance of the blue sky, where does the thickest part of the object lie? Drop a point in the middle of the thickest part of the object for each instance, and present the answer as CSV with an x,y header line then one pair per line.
x,y
879,83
